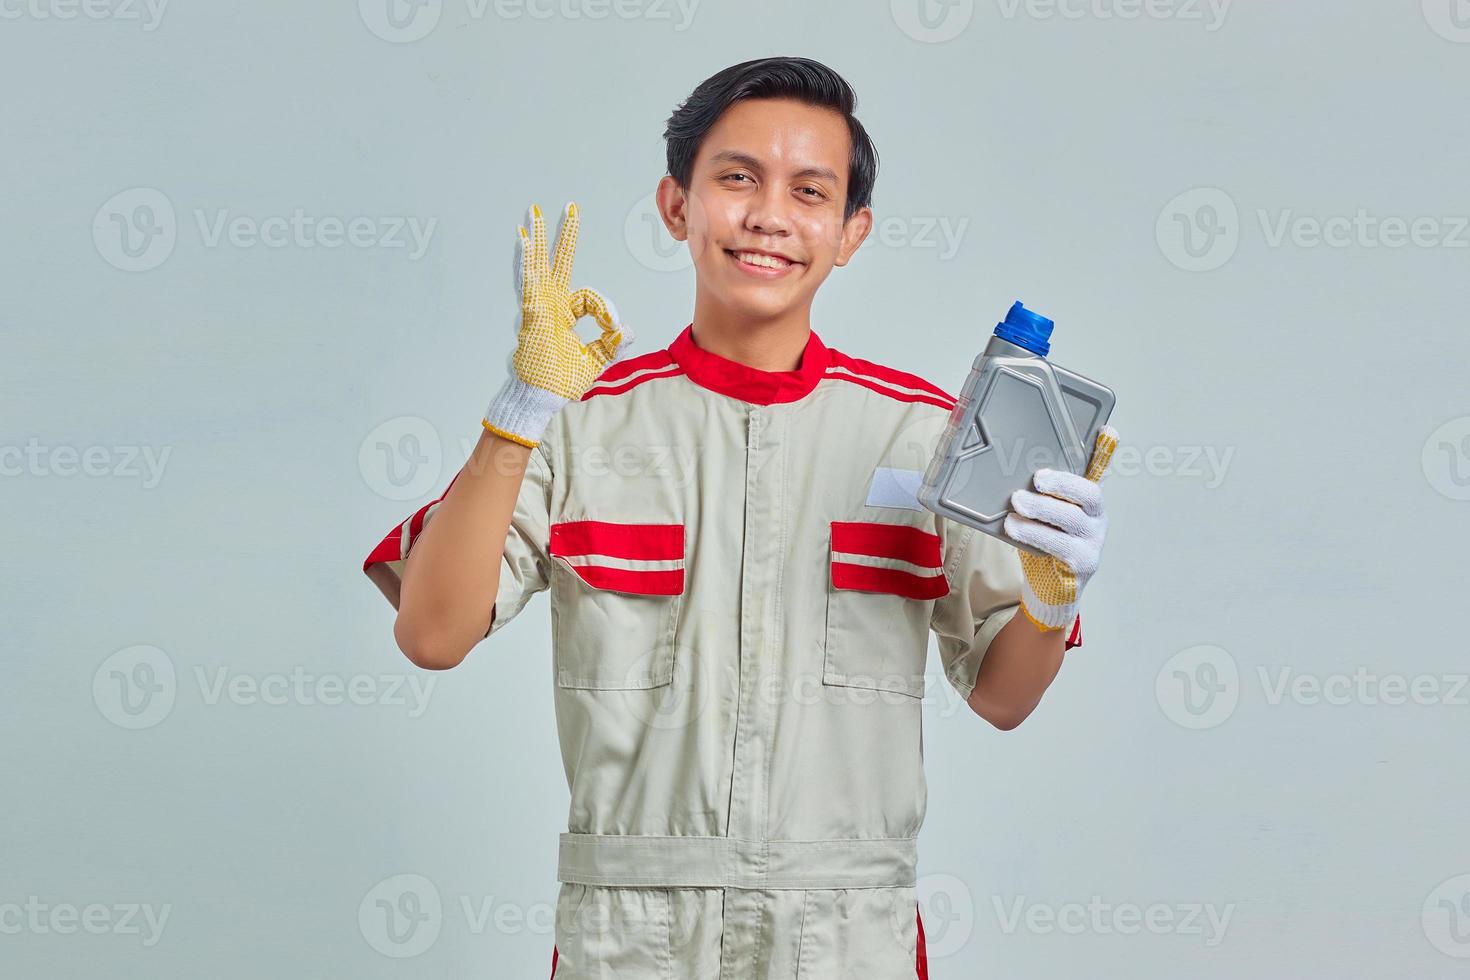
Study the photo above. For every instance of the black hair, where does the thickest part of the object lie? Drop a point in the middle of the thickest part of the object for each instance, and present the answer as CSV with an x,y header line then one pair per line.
x,y
772,78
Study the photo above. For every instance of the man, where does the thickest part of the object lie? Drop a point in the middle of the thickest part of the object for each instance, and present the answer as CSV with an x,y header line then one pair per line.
x,y
742,583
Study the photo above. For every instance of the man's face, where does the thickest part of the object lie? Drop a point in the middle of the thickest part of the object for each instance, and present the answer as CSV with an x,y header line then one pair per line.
x,y
763,210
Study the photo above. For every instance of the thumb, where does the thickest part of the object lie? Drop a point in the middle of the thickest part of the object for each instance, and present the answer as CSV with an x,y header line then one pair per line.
x,y
1102,453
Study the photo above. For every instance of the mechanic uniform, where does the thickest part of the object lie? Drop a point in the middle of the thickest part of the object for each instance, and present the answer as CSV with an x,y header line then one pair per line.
x,y
742,587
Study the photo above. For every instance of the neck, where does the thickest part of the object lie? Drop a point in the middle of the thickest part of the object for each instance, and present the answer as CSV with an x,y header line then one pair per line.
x,y
764,343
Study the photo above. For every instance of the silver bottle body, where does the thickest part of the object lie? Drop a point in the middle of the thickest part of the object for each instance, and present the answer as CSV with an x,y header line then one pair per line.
x,y
1017,412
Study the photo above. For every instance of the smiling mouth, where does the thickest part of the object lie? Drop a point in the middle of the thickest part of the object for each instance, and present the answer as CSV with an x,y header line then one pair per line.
x,y
754,261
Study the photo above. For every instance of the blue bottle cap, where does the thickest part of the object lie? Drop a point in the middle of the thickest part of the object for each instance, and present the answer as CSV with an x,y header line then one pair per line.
x,y
1026,329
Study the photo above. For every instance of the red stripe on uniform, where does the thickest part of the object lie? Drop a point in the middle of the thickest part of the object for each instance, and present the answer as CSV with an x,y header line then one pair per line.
x,y
553,964
642,542
866,578
608,388
891,376
627,580
881,540
902,396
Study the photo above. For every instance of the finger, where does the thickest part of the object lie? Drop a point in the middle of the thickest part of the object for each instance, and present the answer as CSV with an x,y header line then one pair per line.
x,y
1040,536
1102,453
566,246
524,288
611,346
1069,487
539,271
1061,514
589,302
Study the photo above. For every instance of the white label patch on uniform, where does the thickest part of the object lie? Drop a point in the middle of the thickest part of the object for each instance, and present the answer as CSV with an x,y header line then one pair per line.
x,y
893,487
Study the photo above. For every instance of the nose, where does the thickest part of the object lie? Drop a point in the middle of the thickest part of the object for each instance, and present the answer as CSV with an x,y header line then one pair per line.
x,y
766,215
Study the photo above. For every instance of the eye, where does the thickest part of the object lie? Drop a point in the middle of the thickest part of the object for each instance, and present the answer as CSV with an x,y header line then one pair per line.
x,y
816,192
733,176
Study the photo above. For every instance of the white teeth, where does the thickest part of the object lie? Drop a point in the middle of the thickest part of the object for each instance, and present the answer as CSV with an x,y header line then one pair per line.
x,y
768,261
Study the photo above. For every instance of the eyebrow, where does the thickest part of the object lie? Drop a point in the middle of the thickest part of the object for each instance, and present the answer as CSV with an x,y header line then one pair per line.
x,y
745,159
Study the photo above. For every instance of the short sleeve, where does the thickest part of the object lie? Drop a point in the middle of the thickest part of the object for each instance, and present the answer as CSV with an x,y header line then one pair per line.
x,y
524,566
985,593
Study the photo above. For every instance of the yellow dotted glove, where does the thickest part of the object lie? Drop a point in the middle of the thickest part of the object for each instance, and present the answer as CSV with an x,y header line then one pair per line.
x,y
1064,518
551,366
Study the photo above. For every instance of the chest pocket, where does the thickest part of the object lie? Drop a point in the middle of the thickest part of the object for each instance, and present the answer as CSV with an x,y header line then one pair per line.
x,y
616,605
884,580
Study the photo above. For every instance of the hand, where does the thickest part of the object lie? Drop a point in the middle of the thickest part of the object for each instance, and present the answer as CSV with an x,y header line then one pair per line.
x,y
1064,519
551,366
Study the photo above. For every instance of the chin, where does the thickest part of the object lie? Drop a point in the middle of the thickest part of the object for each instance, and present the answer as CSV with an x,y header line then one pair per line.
x,y
754,304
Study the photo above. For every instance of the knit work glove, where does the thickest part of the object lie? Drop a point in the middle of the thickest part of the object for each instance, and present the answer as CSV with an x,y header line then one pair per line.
x,y
1065,520
551,366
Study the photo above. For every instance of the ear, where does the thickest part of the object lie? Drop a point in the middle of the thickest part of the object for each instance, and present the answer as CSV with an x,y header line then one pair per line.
x,y
854,232
673,207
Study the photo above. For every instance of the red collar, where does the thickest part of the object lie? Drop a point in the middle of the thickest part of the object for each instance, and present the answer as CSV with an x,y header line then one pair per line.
x,y
727,377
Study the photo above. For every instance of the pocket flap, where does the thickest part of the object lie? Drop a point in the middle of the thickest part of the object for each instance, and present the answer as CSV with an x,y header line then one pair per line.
x,y
643,559
876,556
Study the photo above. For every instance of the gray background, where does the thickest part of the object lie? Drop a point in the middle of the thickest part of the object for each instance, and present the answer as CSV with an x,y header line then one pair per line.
x,y
307,397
